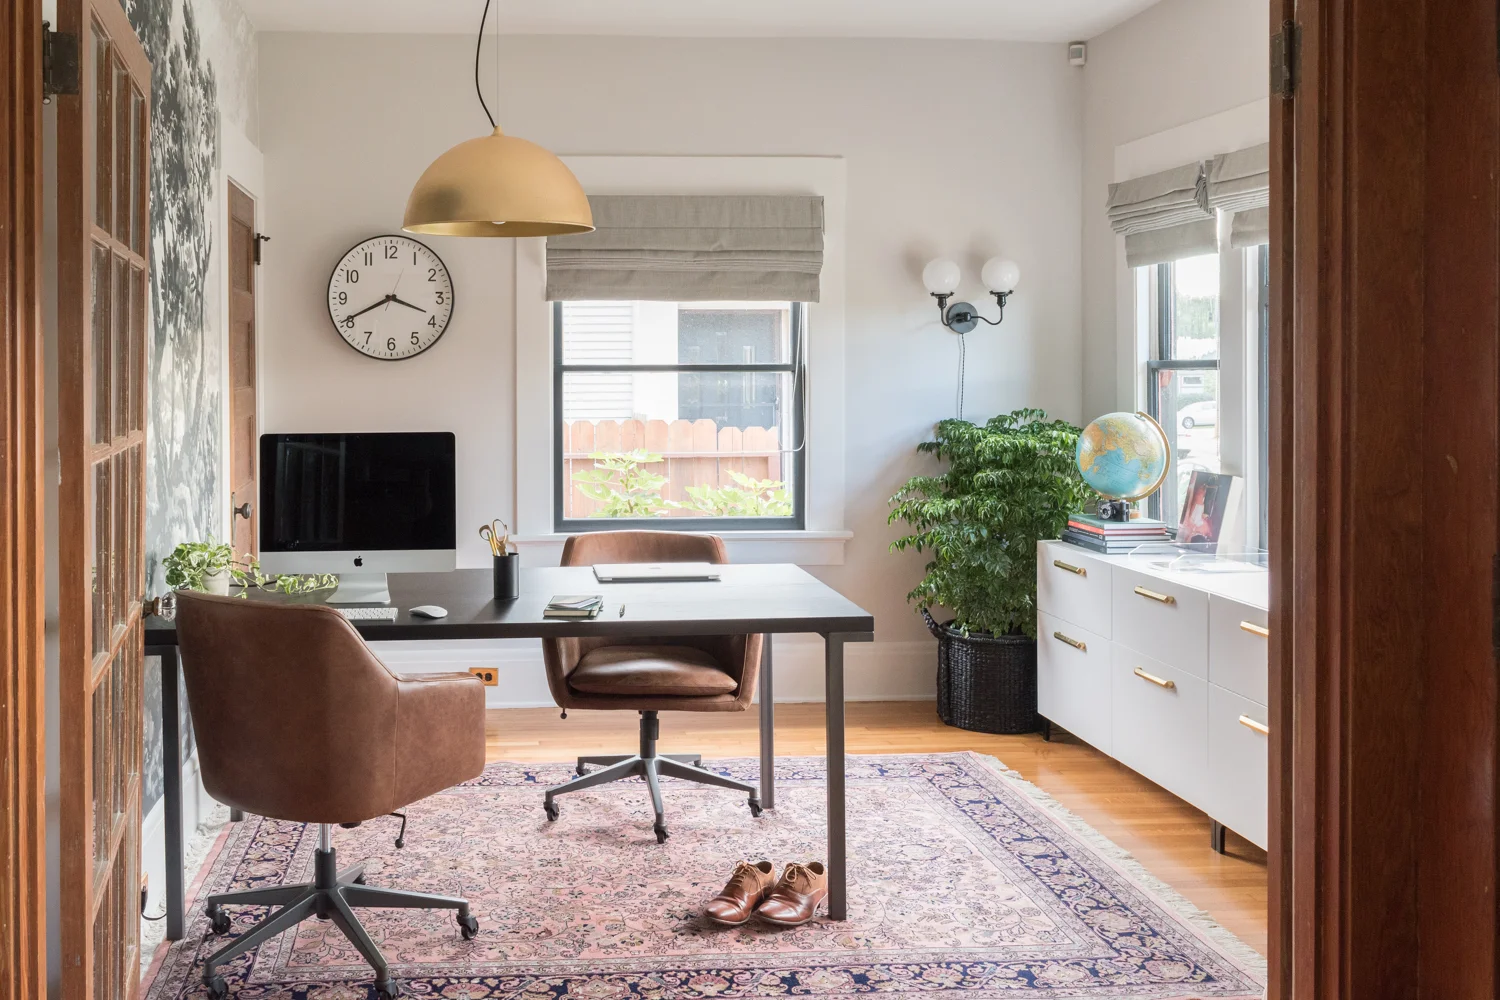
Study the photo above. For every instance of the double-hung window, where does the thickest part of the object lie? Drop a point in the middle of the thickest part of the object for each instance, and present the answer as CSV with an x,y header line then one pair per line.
x,y
685,414
1182,390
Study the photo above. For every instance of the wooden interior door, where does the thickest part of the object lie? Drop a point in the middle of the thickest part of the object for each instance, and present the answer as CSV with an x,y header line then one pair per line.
x,y
103,143
23,964
243,451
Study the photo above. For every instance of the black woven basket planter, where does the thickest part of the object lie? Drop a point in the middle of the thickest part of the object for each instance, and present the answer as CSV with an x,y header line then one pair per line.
x,y
985,683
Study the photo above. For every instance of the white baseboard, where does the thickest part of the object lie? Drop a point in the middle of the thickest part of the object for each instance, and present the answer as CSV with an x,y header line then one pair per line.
x,y
195,807
873,671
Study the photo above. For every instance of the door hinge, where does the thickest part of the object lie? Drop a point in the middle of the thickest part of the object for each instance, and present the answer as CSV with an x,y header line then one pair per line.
x,y
1284,60
59,63
259,239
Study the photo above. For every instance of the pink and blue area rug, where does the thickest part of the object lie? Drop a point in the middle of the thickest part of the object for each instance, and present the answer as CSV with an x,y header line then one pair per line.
x,y
965,882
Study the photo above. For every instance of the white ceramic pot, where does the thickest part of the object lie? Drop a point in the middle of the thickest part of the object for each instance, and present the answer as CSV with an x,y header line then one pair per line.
x,y
217,583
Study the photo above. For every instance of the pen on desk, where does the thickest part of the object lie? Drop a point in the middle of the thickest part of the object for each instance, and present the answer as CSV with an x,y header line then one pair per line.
x,y
622,612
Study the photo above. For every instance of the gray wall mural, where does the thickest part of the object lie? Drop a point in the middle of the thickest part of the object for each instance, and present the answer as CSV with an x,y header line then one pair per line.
x,y
184,494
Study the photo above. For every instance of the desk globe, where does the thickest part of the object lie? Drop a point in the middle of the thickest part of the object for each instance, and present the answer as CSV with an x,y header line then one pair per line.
x,y
1124,456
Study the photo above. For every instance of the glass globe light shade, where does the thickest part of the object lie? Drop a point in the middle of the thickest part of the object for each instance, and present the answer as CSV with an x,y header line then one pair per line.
x,y
1001,274
941,277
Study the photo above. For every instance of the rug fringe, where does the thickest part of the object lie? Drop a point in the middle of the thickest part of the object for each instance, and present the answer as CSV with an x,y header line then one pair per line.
x,y
1184,908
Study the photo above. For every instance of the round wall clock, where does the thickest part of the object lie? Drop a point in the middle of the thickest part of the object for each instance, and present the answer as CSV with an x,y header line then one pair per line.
x,y
390,298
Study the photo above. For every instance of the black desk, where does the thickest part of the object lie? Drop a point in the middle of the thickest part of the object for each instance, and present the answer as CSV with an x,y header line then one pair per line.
x,y
747,598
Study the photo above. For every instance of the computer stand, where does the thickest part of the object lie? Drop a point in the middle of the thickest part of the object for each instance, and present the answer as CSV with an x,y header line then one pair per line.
x,y
362,588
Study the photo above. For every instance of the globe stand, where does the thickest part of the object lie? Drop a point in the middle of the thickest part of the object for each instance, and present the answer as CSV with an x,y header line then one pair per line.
x,y
1114,510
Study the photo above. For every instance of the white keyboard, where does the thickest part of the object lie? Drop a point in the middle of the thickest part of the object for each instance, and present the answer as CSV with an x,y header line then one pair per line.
x,y
369,614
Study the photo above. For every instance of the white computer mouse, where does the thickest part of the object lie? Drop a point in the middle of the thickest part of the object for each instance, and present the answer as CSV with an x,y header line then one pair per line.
x,y
430,611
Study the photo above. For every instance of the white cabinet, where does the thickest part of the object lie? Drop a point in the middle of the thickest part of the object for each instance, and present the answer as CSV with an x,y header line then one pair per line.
x,y
1072,679
1163,669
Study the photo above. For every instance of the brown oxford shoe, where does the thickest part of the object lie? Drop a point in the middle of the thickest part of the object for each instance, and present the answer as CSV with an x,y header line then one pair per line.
x,y
797,896
742,894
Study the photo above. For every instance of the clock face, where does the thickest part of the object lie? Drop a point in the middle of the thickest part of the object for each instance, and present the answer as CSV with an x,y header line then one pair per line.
x,y
390,298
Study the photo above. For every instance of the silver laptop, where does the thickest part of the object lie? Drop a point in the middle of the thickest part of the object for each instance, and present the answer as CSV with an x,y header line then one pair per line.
x,y
643,572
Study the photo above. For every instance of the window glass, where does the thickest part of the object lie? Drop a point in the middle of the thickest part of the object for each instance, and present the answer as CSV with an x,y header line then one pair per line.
x,y
686,412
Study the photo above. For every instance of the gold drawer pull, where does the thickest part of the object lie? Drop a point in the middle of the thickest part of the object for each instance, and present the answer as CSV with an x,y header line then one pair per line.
x,y
1078,570
1259,727
1255,629
1158,681
1153,595
1083,646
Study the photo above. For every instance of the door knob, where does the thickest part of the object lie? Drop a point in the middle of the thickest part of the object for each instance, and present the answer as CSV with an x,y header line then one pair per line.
x,y
244,510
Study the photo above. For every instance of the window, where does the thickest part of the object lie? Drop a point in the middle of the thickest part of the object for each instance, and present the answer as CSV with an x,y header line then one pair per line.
x,y
1183,373
688,414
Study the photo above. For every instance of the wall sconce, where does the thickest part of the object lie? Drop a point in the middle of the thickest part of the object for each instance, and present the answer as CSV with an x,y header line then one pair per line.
x,y
941,277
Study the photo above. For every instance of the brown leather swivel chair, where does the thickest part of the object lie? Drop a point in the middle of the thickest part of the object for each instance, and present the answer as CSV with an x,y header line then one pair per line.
x,y
650,675
297,720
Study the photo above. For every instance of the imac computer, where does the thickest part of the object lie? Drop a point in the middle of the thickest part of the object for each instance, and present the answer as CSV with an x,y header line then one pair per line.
x,y
359,505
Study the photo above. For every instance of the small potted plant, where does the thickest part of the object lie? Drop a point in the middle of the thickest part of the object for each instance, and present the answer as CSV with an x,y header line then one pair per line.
x,y
1009,484
206,566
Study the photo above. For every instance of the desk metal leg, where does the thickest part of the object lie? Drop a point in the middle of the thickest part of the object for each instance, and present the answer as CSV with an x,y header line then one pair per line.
x,y
171,762
767,729
838,875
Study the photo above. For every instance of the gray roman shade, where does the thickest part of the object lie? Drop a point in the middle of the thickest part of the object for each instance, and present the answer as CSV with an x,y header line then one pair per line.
x,y
1250,228
1162,216
692,248
1239,185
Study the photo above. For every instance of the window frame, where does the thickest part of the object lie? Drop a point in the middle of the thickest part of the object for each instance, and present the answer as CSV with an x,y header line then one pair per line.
x,y
796,366
1160,360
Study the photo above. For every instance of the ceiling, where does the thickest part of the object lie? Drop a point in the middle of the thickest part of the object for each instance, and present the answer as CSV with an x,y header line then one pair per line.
x,y
1020,20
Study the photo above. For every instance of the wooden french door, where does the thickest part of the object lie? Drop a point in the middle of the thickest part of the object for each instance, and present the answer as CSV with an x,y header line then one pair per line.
x,y
103,141
243,444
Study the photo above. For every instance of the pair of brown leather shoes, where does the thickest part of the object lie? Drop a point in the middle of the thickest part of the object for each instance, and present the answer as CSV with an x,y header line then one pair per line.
x,y
754,890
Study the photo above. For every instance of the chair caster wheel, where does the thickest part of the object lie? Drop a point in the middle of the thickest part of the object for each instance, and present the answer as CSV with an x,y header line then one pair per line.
x,y
217,988
360,879
468,926
218,920
661,833
551,808
755,808
387,990
580,770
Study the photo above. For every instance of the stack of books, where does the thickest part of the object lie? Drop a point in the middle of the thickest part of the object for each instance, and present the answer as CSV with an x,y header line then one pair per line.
x,y
574,606
1112,537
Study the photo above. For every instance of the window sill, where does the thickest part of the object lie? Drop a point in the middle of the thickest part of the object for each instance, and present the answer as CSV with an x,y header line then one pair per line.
x,y
804,548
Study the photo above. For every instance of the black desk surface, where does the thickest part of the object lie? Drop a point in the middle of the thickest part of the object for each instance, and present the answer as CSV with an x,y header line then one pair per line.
x,y
747,598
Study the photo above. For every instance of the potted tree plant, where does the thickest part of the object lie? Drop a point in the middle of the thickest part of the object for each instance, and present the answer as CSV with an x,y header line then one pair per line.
x,y
1009,484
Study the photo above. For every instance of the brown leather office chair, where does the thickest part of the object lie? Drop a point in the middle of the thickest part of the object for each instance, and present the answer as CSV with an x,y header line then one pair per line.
x,y
650,675
297,720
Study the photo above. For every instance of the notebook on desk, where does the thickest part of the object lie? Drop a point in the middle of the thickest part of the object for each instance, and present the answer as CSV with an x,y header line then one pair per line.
x,y
654,572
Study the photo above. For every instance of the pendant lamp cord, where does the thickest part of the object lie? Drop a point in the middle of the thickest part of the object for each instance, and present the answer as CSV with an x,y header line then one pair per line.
x,y
478,47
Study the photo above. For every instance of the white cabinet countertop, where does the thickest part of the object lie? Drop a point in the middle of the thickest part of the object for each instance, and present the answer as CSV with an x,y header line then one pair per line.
x,y
1229,578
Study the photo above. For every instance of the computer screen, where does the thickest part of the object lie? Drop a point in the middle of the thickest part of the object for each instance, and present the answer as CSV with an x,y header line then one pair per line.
x,y
357,492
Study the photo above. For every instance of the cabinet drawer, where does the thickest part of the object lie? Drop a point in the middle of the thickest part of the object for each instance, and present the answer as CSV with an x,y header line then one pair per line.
x,y
1073,586
1072,679
1164,620
1237,651
1238,756
1158,722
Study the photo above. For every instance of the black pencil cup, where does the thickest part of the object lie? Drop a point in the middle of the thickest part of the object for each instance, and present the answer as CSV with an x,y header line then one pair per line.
x,y
508,576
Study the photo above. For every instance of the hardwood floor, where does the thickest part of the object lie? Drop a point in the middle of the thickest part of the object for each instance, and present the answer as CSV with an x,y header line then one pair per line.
x,y
1168,836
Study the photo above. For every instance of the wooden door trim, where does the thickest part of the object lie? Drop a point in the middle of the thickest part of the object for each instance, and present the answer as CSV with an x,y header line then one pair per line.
x,y
23,965
1383,521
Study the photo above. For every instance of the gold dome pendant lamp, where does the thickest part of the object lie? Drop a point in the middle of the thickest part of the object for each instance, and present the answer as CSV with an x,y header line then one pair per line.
x,y
497,185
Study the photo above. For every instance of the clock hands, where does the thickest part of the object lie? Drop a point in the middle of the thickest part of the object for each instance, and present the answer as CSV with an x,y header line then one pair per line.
x,y
384,301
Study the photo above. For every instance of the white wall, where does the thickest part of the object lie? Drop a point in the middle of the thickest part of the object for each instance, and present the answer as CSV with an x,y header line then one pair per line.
x,y
1176,62
963,149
